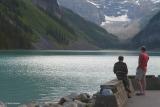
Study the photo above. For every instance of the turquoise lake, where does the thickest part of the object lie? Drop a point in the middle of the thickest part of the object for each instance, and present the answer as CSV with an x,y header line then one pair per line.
x,y
27,76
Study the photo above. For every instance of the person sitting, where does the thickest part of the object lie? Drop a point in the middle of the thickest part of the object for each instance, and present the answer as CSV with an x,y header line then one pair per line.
x,y
121,71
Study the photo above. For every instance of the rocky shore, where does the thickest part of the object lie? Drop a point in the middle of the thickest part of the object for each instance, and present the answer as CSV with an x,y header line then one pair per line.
x,y
72,100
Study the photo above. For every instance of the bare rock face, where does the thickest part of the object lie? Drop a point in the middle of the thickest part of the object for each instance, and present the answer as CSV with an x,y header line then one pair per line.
x,y
84,9
50,6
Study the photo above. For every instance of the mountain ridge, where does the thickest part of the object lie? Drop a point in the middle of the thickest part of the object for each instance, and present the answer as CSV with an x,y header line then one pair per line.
x,y
25,25
119,17
149,36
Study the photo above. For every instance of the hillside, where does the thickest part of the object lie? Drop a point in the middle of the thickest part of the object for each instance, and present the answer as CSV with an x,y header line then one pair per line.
x,y
24,25
149,36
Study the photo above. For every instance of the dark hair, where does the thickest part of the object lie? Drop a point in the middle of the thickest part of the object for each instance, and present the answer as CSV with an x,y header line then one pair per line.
x,y
120,58
143,48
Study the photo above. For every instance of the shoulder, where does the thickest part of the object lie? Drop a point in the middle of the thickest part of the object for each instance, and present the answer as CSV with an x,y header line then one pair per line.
x,y
120,63
124,63
141,54
147,54
116,63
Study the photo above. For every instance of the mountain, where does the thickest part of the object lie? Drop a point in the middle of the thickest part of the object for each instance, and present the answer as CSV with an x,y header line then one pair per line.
x,y
120,17
42,24
50,6
149,36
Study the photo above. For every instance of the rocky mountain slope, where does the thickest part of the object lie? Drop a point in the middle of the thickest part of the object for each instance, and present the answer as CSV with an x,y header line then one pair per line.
x,y
120,17
150,35
41,24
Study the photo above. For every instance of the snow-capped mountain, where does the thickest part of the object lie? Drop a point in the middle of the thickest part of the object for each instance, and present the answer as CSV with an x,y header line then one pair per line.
x,y
120,17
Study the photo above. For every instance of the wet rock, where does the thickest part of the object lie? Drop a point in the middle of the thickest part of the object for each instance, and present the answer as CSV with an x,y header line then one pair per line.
x,y
72,96
84,97
65,99
68,98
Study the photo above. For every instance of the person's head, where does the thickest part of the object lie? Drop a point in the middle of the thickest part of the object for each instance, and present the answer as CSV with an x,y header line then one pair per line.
x,y
143,48
121,58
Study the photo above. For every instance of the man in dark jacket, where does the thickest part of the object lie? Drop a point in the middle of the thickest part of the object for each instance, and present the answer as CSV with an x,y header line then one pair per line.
x,y
121,71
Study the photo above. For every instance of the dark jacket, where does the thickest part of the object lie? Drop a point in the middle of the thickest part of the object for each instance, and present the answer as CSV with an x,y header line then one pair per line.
x,y
121,70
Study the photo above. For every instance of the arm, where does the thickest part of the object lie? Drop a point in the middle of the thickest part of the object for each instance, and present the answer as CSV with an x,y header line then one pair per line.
x,y
114,68
126,68
139,60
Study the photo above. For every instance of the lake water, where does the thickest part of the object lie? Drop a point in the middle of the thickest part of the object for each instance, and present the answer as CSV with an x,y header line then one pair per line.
x,y
47,75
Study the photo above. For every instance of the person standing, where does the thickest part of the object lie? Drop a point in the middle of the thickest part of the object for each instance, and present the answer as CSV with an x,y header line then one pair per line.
x,y
141,71
121,71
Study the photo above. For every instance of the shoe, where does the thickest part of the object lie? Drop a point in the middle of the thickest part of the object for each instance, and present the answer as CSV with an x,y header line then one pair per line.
x,y
129,97
139,94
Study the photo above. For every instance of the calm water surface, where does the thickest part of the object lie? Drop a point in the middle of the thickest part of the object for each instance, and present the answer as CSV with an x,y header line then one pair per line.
x,y
47,75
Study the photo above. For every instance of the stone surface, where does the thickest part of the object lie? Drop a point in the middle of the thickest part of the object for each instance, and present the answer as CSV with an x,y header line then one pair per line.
x,y
70,104
80,104
151,99
84,97
119,97
153,83
106,101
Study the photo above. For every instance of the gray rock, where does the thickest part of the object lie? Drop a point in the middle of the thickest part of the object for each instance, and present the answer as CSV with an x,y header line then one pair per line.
x,y
84,97
80,104
90,105
73,95
52,105
69,98
70,104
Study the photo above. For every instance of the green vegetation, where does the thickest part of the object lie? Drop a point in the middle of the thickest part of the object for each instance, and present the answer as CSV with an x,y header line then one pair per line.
x,y
22,25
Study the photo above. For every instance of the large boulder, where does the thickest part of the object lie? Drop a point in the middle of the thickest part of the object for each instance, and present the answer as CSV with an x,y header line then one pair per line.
x,y
84,97
68,98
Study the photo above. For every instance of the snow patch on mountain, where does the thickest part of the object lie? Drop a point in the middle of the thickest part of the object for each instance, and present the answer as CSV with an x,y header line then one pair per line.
x,y
110,19
155,1
137,2
97,5
120,17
